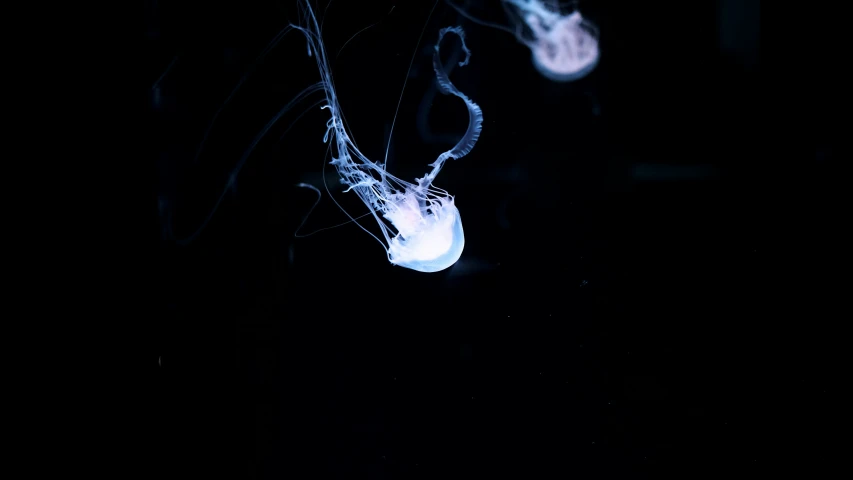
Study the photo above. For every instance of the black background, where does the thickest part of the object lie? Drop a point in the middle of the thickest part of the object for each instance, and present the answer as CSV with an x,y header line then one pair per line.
x,y
647,283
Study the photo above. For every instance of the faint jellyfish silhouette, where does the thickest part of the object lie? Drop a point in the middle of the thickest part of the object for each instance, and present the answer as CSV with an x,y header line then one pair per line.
x,y
564,47
420,223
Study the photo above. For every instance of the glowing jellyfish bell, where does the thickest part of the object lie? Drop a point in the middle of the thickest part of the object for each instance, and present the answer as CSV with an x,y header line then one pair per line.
x,y
420,222
564,47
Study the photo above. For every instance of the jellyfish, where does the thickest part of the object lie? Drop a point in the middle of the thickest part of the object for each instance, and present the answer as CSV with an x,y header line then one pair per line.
x,y
564,47
420,223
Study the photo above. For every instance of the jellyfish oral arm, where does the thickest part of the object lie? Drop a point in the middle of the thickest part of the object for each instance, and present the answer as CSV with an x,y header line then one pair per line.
x,y
475,114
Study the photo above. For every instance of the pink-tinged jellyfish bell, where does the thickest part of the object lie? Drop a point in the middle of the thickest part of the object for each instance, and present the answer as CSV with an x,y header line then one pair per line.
x,y
564,47
420,223
426,243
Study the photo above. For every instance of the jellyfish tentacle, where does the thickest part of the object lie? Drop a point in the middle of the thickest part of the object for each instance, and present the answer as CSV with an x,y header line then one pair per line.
x,y
232,177
475,114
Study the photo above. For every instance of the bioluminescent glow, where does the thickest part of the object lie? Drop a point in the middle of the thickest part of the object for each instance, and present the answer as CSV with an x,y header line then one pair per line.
x,y
564,47
420,223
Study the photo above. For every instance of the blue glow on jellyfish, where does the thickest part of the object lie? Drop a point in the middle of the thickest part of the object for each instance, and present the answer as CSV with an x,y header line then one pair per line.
x,y
420,223
564,47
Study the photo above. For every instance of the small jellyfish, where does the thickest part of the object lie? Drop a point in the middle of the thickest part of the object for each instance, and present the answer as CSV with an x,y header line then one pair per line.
x,y
420,223
564,47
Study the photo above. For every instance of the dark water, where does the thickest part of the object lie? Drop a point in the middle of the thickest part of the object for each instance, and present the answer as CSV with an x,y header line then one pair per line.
x,y
626,306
